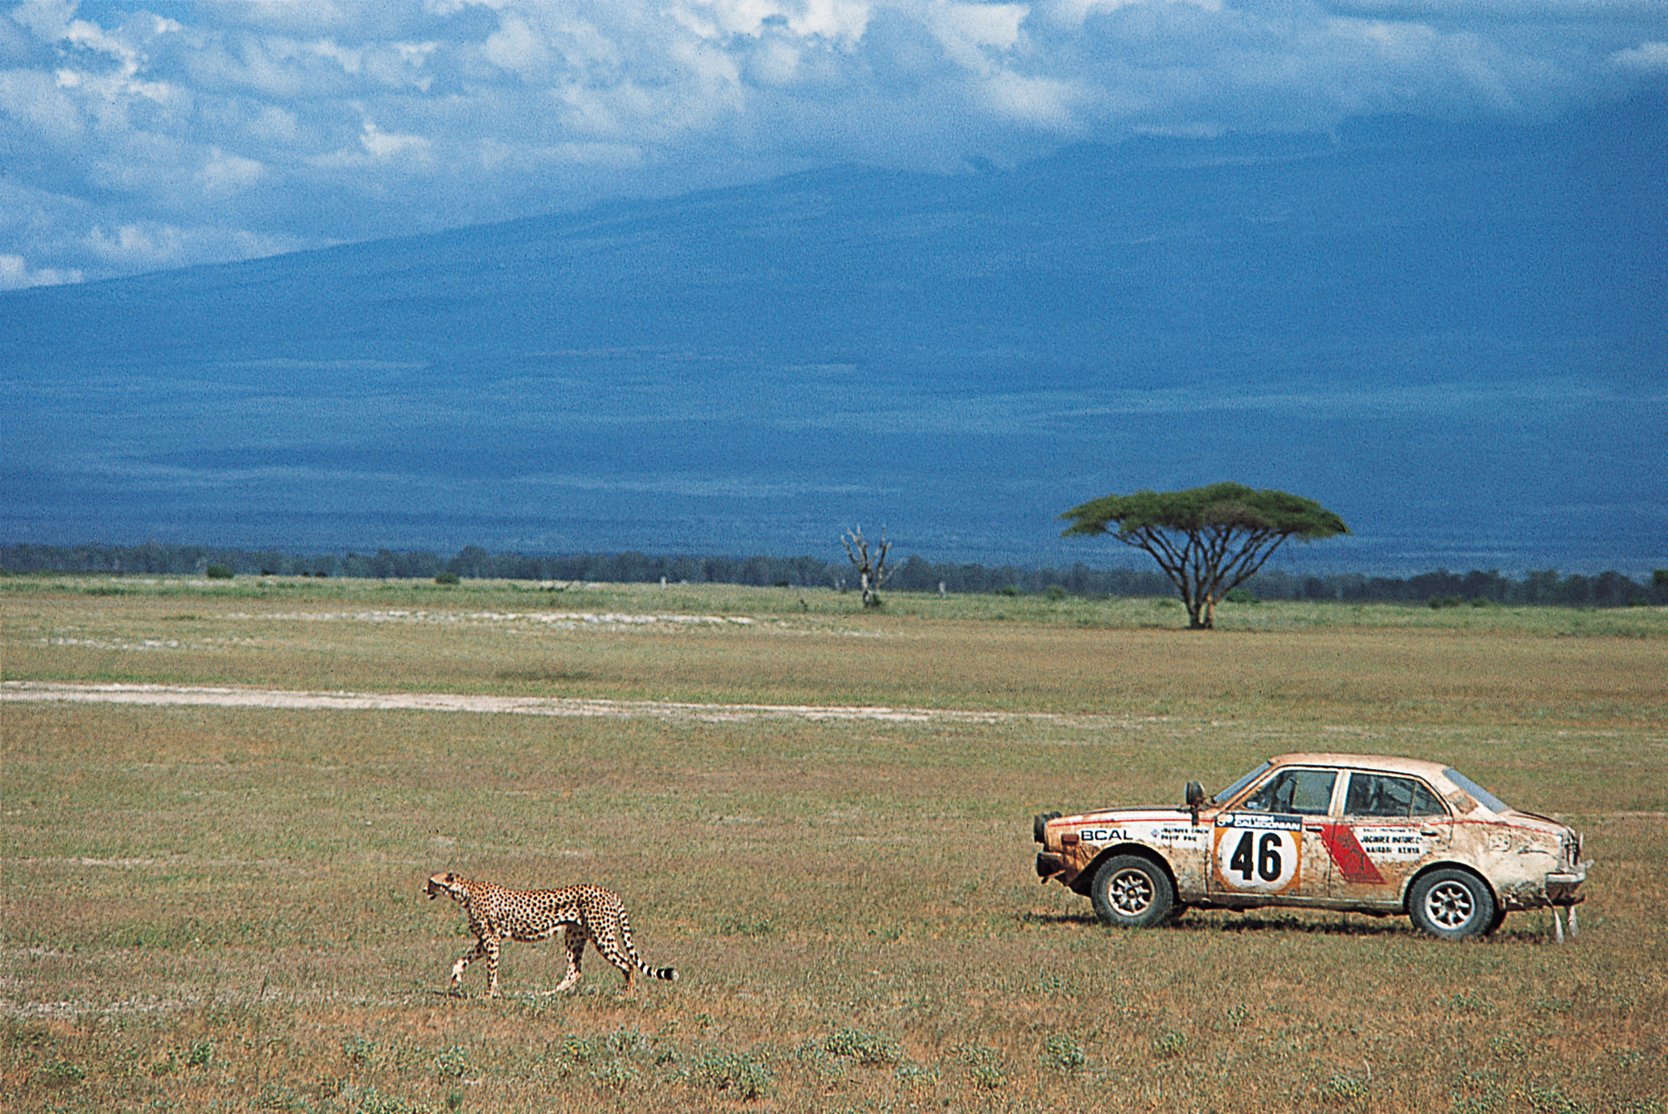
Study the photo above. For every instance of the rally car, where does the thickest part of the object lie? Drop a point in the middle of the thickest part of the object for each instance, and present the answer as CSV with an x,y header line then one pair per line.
x,y
1352,832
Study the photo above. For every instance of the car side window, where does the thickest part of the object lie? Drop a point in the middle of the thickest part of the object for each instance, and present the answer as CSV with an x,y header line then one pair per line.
x,y
1380,795
1306,792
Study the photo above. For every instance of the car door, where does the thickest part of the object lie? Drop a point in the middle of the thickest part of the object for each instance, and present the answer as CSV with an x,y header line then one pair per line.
x,y
1388,827
1269,843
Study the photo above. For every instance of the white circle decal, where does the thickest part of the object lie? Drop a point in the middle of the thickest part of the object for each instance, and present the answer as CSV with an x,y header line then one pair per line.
x,y
1257,859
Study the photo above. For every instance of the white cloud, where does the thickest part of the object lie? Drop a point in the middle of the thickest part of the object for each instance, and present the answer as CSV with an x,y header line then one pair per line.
x,y
225,173
137,247
515,47
1649,57
47,20
15,274
388,145
835,20
1044,101
1074,12
973,34
40,103
296,121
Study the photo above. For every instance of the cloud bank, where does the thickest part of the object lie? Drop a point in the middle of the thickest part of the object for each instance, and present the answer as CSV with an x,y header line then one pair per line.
x,y
139,136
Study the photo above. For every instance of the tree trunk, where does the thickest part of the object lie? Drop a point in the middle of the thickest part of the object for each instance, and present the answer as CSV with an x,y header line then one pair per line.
x,y
871,569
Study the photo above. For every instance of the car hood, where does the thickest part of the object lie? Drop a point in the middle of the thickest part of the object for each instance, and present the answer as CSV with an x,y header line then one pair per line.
x,y
1535,822
1119,816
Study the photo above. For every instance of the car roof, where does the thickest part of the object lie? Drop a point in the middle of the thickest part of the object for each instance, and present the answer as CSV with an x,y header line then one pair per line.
x,y
1383,763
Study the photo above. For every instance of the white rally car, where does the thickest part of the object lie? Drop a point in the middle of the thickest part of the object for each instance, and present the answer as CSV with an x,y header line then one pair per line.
x,y
1323,831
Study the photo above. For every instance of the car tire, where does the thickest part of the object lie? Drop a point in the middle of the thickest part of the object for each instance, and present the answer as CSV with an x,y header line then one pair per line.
x,y
1132,892
1452,904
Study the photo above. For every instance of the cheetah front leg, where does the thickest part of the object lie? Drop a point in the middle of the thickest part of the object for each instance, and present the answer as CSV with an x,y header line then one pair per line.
x,y
463,962
574,938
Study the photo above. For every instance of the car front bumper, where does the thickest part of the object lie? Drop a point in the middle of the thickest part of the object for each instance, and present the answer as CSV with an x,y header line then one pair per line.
x,y
1564,887
1051,865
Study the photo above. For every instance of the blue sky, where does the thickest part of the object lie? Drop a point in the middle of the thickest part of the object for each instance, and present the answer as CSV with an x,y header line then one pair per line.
x,y
143,136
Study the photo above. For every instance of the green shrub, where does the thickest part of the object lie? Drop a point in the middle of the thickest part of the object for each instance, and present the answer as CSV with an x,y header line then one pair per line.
x,y
984,1065
864,1047
219,572
737,1073
358,1050
1061,1051
453,1062
1344,1090
1169,1045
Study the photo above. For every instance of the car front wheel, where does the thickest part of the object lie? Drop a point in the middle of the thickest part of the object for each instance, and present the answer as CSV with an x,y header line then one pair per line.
x,y
1131,892
1452,904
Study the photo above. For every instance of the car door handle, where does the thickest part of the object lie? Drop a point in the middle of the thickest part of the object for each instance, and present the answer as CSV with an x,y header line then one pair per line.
x,y
1429,832
1314,828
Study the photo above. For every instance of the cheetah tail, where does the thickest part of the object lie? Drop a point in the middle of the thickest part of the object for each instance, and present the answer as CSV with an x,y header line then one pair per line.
x,y
670,974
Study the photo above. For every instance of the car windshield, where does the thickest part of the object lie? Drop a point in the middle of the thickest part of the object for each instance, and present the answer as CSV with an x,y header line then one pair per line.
x,y
1228,793
1484,797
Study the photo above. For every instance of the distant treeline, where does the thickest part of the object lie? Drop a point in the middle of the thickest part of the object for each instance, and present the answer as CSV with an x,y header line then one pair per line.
x,y
1608,589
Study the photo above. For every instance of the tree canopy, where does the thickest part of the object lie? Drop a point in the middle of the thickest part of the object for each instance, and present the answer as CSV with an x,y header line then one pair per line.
x,y
1208,540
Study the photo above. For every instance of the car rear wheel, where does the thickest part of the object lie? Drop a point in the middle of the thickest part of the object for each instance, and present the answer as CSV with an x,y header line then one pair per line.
x,y
1131,892
1452,904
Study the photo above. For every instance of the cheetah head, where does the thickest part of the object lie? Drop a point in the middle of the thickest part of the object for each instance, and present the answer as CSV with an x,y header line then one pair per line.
x,y
446,883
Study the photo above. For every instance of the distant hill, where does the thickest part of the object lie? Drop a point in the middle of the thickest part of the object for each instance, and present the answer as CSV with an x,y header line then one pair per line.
x,y
1454,336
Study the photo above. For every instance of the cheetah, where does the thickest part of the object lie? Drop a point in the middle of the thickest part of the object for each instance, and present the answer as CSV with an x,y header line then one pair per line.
x,y
580,912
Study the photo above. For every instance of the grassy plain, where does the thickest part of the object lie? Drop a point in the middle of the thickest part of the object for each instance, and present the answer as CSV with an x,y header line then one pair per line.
x,y
221,908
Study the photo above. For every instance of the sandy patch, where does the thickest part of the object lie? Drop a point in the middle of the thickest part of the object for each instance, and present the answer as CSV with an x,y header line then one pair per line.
x,y
560,706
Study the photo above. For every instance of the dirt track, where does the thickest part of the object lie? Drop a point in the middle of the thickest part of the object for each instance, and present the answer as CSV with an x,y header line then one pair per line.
x,y
49,691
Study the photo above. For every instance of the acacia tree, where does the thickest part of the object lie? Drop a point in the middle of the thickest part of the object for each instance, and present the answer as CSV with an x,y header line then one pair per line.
x,y
870,564
1208,540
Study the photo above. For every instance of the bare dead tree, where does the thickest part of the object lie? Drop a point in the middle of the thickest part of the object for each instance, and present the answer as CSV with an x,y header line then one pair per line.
x,y
869,563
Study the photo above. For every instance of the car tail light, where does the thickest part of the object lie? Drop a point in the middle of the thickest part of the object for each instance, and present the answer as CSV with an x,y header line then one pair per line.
x,y
1069,839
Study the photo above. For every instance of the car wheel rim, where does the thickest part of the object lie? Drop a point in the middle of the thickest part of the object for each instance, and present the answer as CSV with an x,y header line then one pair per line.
x,y
1450,905
1130,893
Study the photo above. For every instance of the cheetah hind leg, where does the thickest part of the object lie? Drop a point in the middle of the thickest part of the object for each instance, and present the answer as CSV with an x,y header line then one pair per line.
x,y
613,950
573,938
492,967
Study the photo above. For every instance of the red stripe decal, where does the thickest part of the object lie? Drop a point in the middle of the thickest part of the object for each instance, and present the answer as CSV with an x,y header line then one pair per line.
x,y
1348,855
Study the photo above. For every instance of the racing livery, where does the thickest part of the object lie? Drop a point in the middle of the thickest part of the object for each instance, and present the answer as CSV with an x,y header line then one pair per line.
x,y
1353,832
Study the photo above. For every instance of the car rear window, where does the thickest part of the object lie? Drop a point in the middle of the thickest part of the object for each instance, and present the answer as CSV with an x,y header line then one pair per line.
x,y
1382,795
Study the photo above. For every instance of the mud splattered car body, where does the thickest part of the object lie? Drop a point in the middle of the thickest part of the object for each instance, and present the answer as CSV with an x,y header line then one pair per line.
x,y
1363,833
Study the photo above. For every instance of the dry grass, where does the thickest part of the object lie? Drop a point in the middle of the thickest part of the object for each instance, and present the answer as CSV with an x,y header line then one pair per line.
x,y
221,908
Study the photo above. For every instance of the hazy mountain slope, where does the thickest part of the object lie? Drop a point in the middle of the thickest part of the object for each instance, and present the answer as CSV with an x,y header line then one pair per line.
x,y
1452,336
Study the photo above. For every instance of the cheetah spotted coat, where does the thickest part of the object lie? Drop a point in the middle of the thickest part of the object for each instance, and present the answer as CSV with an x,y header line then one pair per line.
x,y
581,913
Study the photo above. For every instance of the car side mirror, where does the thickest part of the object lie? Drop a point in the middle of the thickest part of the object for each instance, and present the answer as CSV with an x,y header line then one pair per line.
x,y
1195,794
